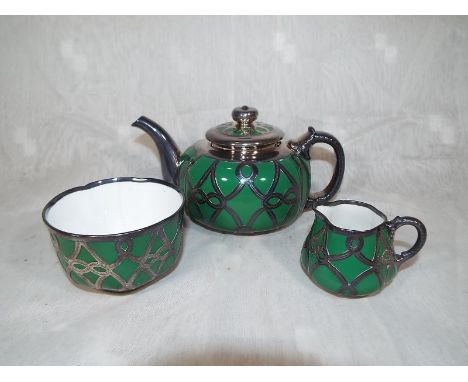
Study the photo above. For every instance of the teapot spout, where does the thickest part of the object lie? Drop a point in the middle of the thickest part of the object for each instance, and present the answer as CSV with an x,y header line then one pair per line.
x,y
167,148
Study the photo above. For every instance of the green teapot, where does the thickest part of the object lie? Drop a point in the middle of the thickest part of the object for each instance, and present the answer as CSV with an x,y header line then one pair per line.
x,y
244,179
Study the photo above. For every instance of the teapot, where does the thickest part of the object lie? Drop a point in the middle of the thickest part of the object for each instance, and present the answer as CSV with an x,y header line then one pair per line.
x,y
243,178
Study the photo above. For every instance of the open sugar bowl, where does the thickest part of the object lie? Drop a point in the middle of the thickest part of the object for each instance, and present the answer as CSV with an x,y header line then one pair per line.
x,y
117,234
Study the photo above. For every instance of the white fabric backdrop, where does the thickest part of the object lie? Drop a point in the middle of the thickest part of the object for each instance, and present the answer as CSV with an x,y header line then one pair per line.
x,y
394,90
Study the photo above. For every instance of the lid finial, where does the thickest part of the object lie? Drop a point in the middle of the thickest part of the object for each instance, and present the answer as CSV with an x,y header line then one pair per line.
x,y
245,116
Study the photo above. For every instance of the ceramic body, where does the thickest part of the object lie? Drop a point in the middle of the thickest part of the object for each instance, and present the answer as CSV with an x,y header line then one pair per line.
x,y
355,262
122,261
243,197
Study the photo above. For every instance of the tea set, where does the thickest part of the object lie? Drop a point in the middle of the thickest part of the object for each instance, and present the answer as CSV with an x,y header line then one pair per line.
x,y
119,234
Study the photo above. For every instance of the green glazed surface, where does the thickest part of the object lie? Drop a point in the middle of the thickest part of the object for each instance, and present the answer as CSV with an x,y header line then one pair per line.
x,y
243,197
124,262
349,264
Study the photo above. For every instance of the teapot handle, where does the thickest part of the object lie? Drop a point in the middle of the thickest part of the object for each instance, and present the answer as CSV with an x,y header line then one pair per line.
x,y
303,145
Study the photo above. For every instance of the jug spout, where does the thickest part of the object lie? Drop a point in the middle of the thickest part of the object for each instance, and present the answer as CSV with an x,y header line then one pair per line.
x,y
167,148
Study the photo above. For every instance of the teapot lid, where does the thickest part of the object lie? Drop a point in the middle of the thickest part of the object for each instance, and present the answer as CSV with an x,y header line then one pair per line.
x,y
244,133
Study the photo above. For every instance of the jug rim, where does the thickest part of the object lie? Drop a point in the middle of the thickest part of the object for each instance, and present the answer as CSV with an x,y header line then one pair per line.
x,y
337,228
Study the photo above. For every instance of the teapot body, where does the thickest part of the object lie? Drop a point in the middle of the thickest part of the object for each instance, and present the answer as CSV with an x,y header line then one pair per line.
x,y
245,197
243,178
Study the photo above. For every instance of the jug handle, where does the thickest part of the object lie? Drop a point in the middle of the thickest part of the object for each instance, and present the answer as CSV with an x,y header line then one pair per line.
x,y
400,221
303,146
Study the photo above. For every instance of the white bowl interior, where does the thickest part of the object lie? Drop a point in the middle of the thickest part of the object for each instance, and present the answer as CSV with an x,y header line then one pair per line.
x,y
351,216
114,208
